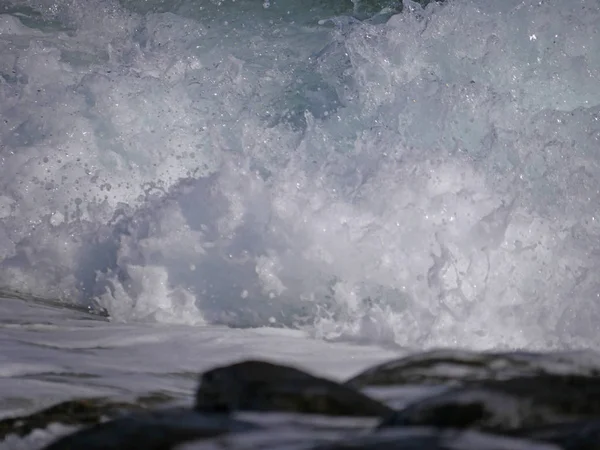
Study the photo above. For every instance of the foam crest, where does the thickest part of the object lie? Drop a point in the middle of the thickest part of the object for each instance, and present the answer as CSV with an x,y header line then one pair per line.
x,y
431,180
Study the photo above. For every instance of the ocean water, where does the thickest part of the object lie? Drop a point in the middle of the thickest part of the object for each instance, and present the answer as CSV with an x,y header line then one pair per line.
x,y
352,178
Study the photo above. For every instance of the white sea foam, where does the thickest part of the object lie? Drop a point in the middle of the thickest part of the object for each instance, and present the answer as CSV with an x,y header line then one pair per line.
x,y
431,180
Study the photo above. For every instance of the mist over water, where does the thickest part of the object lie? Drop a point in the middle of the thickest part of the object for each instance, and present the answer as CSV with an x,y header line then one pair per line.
x,y
428,179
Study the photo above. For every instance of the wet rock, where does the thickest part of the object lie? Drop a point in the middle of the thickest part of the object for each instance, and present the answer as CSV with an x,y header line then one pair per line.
x,y
273,437
504,405
580,435
263,386
75,412
464,367
490,402
151,431
433,439
397,439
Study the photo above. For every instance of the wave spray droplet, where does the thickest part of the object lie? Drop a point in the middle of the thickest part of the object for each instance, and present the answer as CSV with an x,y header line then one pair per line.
x,y
426,177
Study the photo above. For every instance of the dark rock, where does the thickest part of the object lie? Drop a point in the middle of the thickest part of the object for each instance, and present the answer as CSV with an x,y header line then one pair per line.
x,y
75,412
580,435
151,431
491,402
432,439
263,386
503,405
465,367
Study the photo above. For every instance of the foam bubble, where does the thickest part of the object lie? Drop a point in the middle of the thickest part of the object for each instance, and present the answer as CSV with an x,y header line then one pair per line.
x,y
430,180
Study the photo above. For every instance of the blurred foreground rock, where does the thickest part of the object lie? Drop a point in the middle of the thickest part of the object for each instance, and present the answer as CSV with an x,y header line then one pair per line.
x,y
263,386
467,400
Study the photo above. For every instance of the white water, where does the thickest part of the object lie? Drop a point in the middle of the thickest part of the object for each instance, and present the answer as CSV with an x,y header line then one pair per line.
x,y
51,355
226,163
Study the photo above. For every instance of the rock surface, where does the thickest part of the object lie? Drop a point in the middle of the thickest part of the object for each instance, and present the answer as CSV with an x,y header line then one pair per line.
x,y
580,435
462,367
491,402
264,386
75,412
433,439
151,431
503,405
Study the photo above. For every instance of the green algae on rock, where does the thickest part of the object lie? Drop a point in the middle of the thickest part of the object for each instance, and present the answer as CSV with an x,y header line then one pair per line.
x,y
151,431
553,404
73,412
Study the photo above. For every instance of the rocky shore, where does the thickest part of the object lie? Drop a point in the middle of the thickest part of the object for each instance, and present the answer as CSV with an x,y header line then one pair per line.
x,y
431,400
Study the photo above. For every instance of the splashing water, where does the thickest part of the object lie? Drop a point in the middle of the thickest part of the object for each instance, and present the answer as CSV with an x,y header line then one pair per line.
x,y
431,179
